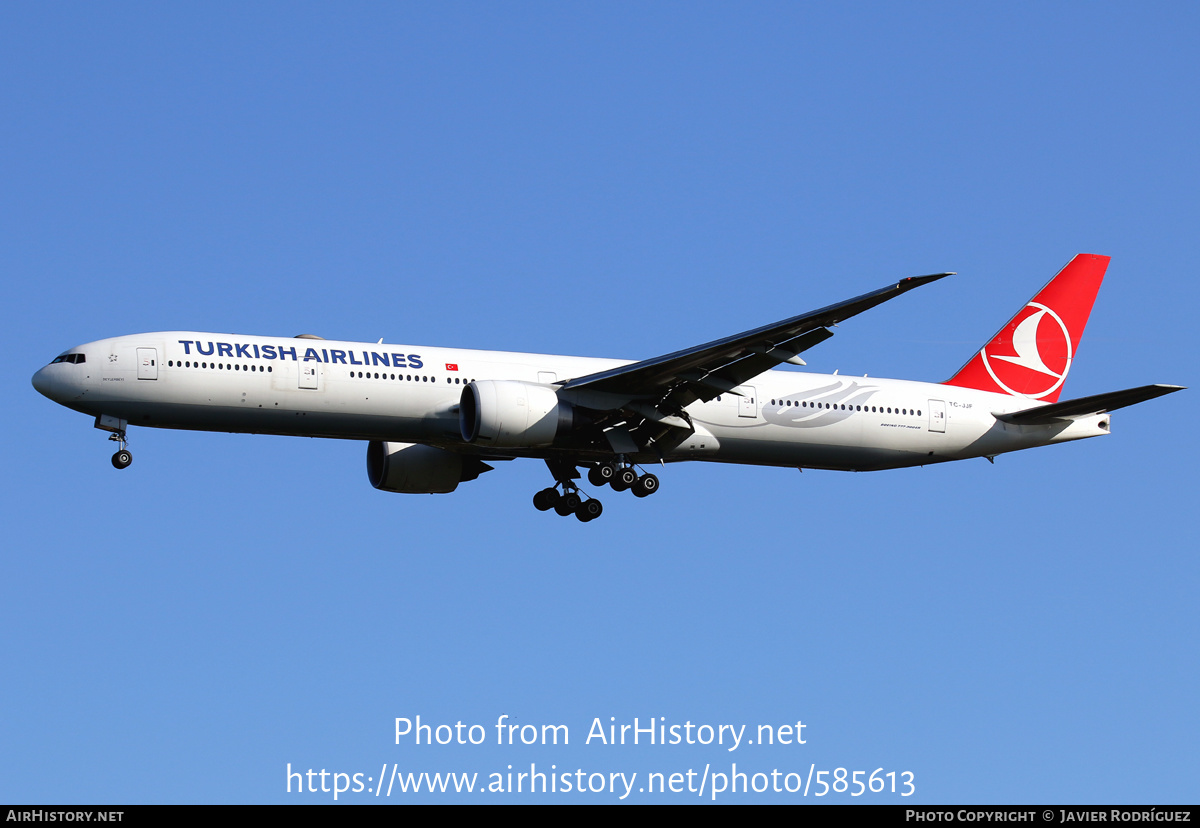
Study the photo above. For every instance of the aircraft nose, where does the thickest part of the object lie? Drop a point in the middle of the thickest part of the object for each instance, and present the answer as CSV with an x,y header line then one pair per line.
x,y
44,383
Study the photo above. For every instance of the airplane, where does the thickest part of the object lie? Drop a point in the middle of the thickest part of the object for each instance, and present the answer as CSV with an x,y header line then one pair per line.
x,y
437,417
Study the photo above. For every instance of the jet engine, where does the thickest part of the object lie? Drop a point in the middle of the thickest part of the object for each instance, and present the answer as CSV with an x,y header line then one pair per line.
x,y
411,468
512,414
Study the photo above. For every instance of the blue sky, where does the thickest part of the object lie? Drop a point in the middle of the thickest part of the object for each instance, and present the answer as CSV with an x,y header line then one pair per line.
x,y
609,180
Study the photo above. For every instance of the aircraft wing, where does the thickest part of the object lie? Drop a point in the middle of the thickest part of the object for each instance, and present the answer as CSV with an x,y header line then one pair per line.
x,y
1086,406
701,373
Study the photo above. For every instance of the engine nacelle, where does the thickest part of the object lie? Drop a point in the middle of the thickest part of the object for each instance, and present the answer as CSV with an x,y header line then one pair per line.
x,y
411,468
512,414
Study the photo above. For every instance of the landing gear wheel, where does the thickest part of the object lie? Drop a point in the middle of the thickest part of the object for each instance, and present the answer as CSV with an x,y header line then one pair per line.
x,y
646,485
624,479
589,510
568,503
602,475
122,459
545,499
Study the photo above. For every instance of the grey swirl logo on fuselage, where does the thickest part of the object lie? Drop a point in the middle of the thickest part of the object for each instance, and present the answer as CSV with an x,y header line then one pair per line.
x,y
819,407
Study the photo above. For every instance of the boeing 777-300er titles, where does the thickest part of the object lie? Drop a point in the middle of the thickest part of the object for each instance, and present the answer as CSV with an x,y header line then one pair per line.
x,y
435,417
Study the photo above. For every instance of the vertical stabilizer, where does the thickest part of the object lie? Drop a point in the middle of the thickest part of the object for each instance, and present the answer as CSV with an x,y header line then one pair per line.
x,y
1031,355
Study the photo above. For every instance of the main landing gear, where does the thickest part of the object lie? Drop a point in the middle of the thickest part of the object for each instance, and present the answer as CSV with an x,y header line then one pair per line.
x,y
619,475
623,478
568,502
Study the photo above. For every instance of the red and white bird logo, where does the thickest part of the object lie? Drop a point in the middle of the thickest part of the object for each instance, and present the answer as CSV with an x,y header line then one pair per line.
x,y
1041,353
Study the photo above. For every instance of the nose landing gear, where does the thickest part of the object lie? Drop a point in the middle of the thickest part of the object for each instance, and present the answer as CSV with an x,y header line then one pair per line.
x,y
116,427
123,457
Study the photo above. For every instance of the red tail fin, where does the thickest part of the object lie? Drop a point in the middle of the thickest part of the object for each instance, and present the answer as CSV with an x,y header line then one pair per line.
x,y
1031,355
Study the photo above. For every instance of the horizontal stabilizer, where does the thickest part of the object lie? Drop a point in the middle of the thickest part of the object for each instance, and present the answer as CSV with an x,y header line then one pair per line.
x,y
1086,406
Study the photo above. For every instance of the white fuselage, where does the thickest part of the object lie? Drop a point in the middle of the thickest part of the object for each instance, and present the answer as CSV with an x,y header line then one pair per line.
x,y
401,393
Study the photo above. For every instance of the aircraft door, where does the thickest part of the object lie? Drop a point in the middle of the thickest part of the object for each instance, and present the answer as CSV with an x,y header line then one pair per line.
x,y
937,416
310,374
747,402
147,363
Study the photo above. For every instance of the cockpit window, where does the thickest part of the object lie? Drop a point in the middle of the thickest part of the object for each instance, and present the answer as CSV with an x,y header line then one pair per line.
x,y
74,359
